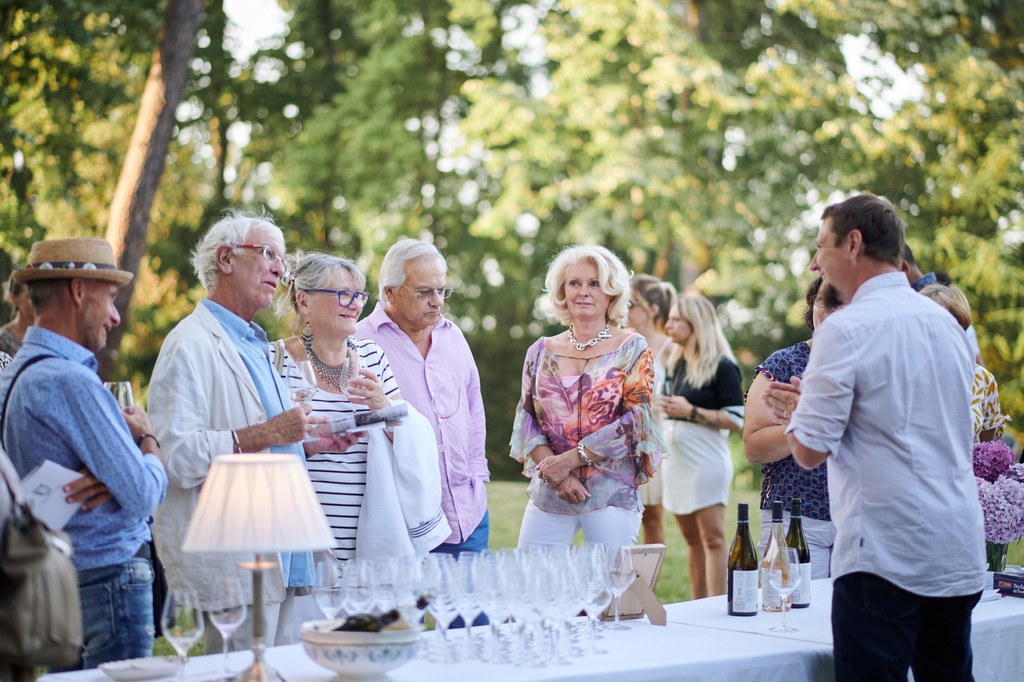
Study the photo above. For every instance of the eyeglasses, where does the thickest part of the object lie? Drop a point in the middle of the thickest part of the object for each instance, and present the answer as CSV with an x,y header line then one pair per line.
x,y
269,253
346,297
425,293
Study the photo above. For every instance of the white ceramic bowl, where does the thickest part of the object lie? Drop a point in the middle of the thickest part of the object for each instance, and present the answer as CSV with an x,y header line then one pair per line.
x,y
359,655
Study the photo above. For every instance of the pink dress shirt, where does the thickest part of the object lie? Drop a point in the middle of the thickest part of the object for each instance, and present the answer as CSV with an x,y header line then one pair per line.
x,y
445,388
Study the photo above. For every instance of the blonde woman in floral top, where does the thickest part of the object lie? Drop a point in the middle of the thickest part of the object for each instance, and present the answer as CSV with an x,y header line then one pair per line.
x,y
987,416
584,427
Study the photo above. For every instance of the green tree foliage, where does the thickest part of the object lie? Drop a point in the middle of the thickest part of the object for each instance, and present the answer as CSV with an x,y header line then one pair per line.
x,y
700,140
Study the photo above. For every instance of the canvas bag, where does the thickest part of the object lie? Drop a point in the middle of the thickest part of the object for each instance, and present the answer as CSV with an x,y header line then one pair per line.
x,y
40,615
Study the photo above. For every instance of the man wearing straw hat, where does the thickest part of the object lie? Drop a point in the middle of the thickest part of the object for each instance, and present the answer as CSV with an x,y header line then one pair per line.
x,y
56,408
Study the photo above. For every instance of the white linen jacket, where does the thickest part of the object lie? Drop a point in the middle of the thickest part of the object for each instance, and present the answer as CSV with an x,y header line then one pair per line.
x,y
200,391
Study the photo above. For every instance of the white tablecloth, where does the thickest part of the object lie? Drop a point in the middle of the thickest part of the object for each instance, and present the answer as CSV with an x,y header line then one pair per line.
x,y
699,643
997,628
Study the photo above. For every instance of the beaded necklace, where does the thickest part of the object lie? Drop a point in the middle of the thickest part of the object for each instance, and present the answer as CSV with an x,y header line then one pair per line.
x,y
336,376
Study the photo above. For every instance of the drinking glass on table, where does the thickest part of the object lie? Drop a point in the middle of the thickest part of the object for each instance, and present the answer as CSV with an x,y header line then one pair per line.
x,y
620,576
227,619
784,576
122,391
329,589
182,623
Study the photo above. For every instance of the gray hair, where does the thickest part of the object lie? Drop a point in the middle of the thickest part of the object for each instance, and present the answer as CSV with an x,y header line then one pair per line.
x,y
231,229
392,269
611,273
314,270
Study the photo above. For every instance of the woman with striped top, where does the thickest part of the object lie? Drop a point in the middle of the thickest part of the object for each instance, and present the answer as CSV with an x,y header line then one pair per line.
x,y
326,295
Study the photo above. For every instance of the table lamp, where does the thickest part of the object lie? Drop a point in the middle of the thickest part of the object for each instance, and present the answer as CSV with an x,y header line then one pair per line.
x,y
261,503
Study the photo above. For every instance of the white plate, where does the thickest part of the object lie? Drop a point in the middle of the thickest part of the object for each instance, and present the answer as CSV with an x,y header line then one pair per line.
x,y
140,668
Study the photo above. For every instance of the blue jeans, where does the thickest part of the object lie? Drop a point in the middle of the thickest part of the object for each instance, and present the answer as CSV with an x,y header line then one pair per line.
x,y
117,612
881,630
476,542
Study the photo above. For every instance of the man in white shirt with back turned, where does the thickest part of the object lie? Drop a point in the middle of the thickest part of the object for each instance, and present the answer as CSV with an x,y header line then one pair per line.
x,y
885,398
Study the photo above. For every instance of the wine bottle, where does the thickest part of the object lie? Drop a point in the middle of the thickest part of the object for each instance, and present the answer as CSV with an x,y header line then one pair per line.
x,y
742,586
795,539
770,600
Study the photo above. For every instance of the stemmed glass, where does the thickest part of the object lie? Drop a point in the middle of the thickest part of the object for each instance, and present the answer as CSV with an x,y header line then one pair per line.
x,y
227,619
182,623
303,388
595,596
784,576
329,589
122,391
620,577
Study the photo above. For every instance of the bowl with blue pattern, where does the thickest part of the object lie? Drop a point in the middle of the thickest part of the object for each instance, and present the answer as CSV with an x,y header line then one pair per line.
x,y
358,656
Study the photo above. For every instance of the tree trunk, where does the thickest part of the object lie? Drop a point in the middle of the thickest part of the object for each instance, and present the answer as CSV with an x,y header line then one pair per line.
x,y
147,152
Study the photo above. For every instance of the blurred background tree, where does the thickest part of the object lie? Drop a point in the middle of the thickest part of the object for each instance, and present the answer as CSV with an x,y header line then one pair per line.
x,y
700,140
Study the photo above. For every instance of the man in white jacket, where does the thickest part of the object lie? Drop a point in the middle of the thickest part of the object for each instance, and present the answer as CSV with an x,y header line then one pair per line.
x,y
214,391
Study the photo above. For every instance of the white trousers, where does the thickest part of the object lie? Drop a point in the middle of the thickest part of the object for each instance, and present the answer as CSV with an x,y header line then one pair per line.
x,y
820,536
611,526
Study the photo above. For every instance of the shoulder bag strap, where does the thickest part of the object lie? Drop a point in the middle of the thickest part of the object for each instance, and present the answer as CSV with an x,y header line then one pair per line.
x,y
10,390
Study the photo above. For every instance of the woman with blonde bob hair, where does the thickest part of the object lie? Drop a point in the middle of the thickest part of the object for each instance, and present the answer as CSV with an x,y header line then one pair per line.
x,y
584,427
703,402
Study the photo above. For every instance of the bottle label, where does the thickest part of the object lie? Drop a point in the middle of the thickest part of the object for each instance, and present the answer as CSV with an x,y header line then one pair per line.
x,y
770,600
743,586
802,595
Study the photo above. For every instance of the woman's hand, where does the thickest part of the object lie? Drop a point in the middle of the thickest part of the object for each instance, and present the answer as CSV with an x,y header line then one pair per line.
x,y
556,468
572,490
331,443
366,389
675,406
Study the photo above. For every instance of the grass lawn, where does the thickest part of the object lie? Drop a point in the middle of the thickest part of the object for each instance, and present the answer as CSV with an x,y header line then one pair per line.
x,y
507,499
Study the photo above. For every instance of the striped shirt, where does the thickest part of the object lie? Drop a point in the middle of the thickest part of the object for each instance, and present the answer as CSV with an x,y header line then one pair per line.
x,y
339,478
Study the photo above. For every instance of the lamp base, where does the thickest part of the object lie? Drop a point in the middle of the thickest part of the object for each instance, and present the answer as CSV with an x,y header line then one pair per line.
x,y
259,671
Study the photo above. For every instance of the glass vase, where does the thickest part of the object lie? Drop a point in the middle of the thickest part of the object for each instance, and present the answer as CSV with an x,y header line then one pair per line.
x,y
995,553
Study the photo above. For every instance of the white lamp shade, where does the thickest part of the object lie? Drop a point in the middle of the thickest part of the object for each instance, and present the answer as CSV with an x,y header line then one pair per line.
x,y
257,503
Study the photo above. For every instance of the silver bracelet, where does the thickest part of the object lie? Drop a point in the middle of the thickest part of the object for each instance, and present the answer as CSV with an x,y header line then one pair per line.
x,y
583,455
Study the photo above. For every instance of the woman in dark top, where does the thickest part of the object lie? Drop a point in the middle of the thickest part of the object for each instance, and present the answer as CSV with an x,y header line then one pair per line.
x,y
703,402
764,441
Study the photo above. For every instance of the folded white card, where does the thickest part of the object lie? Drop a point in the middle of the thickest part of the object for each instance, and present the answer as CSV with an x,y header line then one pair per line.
x,y
43,490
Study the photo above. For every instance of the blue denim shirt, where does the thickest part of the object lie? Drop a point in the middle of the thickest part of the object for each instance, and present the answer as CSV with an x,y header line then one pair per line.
x,y
59,410
253,346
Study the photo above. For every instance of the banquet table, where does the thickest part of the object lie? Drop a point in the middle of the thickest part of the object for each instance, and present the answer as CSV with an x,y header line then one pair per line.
x,y
700,642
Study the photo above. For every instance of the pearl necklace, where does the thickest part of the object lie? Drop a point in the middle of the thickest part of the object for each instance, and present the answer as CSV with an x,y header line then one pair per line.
x,y
601,336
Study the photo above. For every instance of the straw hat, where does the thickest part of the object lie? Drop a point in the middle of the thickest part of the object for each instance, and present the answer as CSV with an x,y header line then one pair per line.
x,y
84,257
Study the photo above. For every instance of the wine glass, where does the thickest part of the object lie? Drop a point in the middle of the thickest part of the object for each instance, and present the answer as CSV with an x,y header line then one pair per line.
x,y
329,588
620,577
227,619
303,388
122,391
784,576
182,623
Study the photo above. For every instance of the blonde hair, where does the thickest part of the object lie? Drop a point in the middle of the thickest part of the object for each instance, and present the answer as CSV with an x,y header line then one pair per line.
x,y
611,273
952,299
706,345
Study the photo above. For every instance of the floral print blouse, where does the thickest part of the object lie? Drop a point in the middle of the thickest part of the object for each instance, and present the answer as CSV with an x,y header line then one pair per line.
x,y
608,408
785,479
985,411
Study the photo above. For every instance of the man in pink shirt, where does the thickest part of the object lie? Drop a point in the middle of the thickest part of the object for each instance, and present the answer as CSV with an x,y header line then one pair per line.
x,y
437,374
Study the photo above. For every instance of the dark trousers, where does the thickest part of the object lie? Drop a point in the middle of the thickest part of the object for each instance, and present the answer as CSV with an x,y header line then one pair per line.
x,y
881,630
